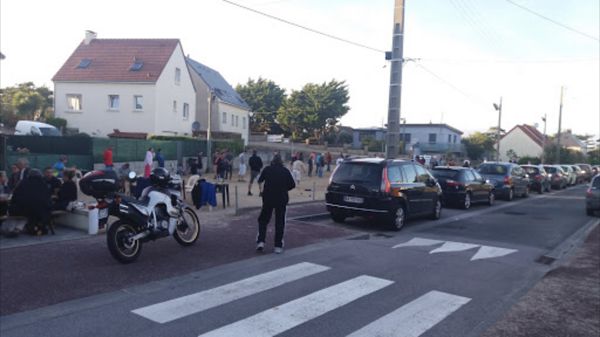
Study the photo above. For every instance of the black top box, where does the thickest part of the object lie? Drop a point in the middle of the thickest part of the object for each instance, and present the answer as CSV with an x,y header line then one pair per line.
x,y
99,184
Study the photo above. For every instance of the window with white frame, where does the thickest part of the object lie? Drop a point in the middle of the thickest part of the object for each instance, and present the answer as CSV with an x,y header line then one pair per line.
x,y
186,110
237,121
224,118
244,122
174,106
138,102
177,76
74,102
113,102
232,119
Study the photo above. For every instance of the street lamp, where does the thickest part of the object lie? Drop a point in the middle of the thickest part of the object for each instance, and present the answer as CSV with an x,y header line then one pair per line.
x,y
498,108
544,140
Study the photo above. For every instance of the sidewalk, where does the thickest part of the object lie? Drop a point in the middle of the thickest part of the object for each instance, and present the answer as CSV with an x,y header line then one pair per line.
x,y
566,302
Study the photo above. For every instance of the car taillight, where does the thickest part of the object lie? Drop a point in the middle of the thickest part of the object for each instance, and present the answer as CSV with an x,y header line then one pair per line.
x,y
452,183
507,181
386,187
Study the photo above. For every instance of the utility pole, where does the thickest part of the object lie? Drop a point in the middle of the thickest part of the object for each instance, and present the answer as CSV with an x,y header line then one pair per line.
x,y
394,103
499,109
544,140
559,126
209,162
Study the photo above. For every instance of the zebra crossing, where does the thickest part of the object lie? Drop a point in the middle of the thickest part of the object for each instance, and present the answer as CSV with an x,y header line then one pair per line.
x,y
409,320
484,252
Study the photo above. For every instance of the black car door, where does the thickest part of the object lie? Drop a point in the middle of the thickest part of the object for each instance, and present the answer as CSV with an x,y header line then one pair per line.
x,y
483,189
412,188
429,189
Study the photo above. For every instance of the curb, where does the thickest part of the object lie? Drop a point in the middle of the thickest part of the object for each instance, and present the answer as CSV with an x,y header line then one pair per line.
x,y
255,208
569,245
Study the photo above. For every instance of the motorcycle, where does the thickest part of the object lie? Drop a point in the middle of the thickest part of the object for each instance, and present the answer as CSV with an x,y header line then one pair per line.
x,y
158,213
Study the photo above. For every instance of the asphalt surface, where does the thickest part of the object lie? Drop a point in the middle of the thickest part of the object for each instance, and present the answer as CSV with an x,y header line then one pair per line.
x,y
466,269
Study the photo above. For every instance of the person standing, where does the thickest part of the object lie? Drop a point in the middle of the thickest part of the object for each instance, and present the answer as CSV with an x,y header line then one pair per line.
x,y
256,165
277,182
108,158
298,168
199,165
242,168
328,160
148,162
159,158
59,166
311,162
229,168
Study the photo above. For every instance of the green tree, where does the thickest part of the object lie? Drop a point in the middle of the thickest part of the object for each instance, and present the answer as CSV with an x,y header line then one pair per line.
x,y
25,101
264,98
314,110
478,145
567,156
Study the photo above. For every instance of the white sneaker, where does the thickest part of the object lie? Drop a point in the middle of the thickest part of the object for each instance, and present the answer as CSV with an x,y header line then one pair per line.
x,y
260,246
278,250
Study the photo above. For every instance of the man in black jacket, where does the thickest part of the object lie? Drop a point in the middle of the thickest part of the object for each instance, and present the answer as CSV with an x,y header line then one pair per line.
x,y
256,165
277,182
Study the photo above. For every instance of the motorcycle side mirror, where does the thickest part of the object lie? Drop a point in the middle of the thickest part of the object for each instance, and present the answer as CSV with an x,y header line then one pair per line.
x,y
131,175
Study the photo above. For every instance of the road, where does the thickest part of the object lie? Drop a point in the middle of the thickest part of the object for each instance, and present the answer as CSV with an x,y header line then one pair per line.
x,y
451,277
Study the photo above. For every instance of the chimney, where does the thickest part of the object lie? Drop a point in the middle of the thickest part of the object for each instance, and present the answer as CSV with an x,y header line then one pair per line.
x,y
89,36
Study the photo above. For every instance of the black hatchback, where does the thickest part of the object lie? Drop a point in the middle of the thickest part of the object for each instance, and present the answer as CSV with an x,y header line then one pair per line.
x,y
389,190
463,186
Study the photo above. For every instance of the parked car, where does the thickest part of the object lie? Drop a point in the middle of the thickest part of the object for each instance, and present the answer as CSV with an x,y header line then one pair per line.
x,y
570,174
33,128
588,171
463,186
509,179
557,176
580,173
592,196
389,190
538,178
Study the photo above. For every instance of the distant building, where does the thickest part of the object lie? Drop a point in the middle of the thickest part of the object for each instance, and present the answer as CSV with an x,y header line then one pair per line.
x,y
228,111
570,141
420,139
133,85
524,140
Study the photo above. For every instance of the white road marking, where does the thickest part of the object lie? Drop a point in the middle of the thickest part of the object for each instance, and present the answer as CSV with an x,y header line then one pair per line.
x,y
450,246
187,305
414,318
488,252
418,242
291,314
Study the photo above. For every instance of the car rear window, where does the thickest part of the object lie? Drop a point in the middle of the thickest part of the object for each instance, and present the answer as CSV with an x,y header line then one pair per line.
x,y
531,170
445,174
363,173
492,169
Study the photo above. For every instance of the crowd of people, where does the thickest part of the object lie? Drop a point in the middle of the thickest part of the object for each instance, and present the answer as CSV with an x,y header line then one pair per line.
x,y
34,194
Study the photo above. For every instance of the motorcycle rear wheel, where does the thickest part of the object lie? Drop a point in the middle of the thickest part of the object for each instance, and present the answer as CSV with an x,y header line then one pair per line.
x,y
120,246
188,231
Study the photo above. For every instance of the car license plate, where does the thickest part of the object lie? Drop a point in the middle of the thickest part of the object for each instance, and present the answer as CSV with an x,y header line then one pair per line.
x,y
103,213
354,200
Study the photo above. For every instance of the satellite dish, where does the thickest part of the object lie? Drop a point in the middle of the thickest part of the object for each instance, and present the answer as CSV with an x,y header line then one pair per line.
x,y
196,126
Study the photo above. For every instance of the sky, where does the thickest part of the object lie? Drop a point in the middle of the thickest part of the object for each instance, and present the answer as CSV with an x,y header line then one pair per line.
x,y
466,54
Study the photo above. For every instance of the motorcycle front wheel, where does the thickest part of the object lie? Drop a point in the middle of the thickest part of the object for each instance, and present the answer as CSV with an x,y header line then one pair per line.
x,y
188,230
120,245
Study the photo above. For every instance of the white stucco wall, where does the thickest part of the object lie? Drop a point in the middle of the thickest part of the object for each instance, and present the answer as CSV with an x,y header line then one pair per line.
x,y
519,142
167,91
232,110
95,117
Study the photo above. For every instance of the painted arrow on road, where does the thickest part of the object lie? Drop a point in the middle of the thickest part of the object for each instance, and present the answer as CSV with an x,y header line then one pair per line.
x,y
484,252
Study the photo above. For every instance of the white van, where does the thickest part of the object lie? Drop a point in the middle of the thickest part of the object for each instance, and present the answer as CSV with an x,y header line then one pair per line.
x,y
33,128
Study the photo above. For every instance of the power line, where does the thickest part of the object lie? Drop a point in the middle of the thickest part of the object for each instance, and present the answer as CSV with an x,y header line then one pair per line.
x,y
553,21
305,28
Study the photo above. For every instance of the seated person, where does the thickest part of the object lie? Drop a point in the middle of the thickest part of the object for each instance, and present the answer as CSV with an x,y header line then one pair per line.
x,y
52,182
31,199
67,192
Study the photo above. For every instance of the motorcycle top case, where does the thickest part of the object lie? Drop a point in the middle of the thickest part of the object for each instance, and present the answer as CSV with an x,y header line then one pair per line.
x,y
100,183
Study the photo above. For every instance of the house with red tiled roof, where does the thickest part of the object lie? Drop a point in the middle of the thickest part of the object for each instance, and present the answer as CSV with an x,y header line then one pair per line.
x,y
132,85
524,140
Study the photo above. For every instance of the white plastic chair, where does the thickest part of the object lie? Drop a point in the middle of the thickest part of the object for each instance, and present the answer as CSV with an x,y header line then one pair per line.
x,y
192,180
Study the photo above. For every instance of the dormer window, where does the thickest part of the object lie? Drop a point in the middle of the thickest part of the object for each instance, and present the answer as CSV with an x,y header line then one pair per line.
x,y
137,65
84,63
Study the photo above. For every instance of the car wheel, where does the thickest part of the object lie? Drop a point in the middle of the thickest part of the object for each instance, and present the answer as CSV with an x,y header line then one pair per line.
x,y
526,192
398,219
437,210
338,217
511,195
491,198
467,201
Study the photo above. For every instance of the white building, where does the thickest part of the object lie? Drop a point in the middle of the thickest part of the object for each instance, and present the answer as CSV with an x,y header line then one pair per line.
x,y
229,112
131,85
524,140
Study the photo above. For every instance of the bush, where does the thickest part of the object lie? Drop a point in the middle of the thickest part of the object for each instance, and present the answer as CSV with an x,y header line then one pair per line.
x,y
529,160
